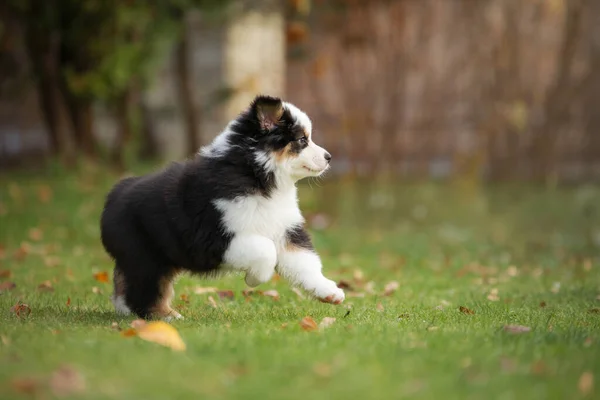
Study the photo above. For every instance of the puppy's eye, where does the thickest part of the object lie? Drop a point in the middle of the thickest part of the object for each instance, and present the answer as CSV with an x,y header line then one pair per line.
x,y
303,140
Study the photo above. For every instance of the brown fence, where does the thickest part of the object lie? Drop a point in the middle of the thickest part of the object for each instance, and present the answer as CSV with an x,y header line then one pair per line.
x,y
508,88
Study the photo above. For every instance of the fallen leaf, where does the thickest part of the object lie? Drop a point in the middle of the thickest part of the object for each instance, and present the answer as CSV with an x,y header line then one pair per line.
x,y
380,307
68,301
403,316
586,383
390,288
5,286
96,290
271,293
345,285
542,304
308,324
465,310
115,326
358,276
185,298
36,234
212,302
44,193
102,277
516,329
493,295
21,310
67,381
45,286
298,293
276,278
284,325
5,273
162,333
203,290
25,385
594,310
326,322
226,294
129,332
21,252
137,324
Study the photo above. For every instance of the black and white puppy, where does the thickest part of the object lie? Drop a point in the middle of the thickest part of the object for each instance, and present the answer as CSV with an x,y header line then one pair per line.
x,y
233,207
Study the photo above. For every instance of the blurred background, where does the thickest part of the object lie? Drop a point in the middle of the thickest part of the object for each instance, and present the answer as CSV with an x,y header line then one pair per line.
x,y
476,89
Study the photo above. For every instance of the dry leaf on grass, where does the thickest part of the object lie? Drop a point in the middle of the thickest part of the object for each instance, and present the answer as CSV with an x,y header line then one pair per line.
x,y
380,307
493,295
326,322
212,302
138,323
465,310
115,326
25,385
586,383
67,381
102,277
36,234
45,286
271,293
203,290
345,285
68,302
129,332
96,290
161,333
308,324
185,298
4,286
5,273
543,304
516,329
390,288
21,310
226,294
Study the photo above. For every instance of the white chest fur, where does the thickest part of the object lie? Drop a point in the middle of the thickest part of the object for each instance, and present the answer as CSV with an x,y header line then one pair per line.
x,y
269,217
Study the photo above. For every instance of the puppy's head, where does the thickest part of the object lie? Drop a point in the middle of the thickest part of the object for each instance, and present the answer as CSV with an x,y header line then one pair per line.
x,y
283,139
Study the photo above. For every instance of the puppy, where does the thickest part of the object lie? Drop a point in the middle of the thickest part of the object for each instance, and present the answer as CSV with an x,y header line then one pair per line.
x,y
233,207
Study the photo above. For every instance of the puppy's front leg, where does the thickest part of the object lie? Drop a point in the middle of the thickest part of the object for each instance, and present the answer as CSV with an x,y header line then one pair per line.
x,y
298,263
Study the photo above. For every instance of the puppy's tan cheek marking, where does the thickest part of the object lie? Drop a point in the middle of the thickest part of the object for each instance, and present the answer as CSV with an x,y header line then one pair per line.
x,y
285,153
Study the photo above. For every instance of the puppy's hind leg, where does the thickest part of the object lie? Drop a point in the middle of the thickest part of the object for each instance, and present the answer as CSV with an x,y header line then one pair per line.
x,y
118,296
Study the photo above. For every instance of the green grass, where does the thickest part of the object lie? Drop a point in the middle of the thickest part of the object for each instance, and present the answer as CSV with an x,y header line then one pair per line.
x,y
447,246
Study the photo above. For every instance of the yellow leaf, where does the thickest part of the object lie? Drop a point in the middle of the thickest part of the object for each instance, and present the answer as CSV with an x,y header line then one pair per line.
x,y
586,383
308,324
102,277
161,333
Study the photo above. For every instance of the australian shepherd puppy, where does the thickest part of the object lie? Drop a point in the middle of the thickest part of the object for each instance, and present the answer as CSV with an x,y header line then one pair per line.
x,y
233,207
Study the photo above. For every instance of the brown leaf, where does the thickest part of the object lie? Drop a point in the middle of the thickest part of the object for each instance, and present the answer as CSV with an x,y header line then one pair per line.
x,y
465,310
326,322
271,293
203,290
44,193
102,277
129,332
345,285
45,286
586,383
21,252
36,234
162,333
308,324
138,323
21,310
68,301
212,302
67,381
542,304
25,385
5,273
226,294
5,286
185,298
380,307
516,329
390,288
276,278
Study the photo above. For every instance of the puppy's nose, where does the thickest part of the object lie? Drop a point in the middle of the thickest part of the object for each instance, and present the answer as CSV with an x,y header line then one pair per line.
x,y
328,157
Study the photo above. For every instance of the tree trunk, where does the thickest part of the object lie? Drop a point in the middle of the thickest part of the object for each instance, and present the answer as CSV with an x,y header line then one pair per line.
x,y
191,114
148,146
123,131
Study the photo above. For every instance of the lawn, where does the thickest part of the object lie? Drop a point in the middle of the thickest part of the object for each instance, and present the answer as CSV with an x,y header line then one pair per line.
x,y
513,256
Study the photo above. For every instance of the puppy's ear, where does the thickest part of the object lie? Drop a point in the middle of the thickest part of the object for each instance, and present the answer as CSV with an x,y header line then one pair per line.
x,y
268,111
